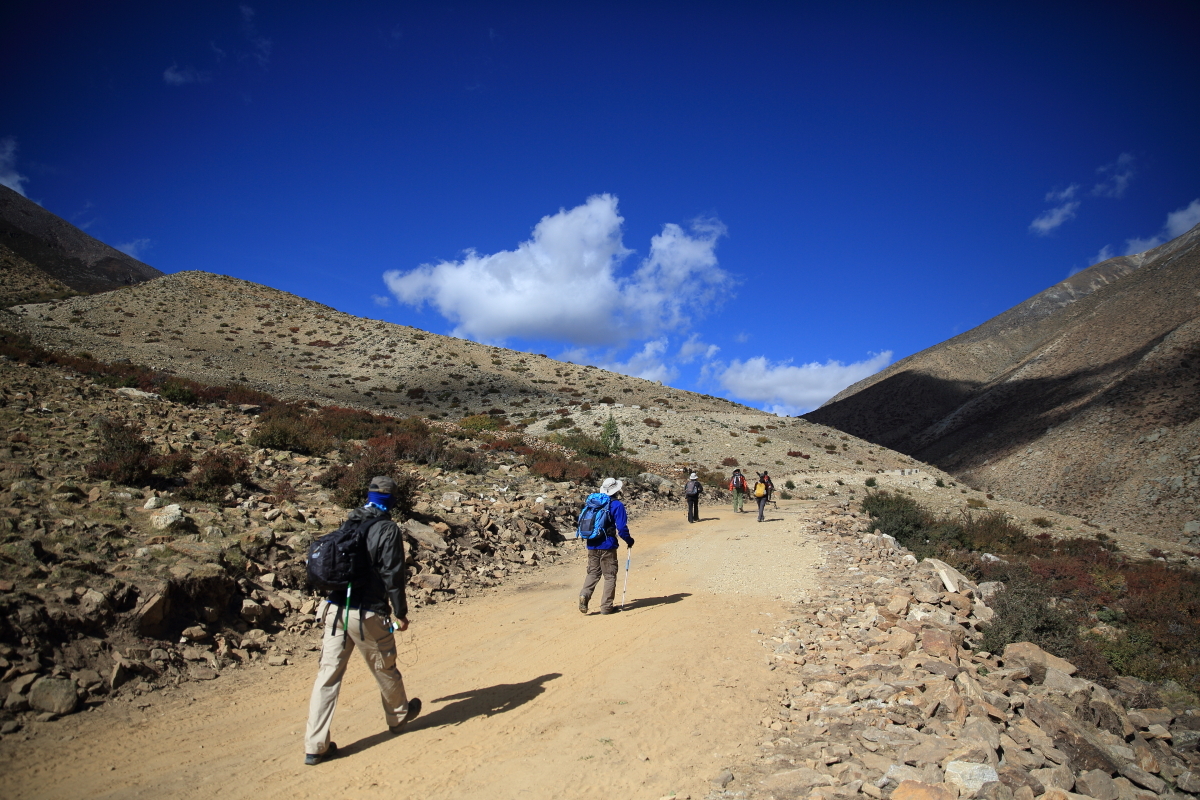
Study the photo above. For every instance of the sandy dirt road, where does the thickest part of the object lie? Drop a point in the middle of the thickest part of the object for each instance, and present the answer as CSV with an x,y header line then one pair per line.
x,y
524,696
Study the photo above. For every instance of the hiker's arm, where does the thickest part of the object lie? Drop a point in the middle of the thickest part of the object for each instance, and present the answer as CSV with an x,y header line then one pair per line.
x,y
621,523
389,560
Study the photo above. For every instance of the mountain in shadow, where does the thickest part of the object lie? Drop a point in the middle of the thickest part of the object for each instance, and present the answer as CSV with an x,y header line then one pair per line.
x,y
41,252
1084,398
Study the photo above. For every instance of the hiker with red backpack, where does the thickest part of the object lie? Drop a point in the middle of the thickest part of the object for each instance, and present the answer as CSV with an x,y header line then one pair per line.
x,y
361,566
601,521
691,492
737,485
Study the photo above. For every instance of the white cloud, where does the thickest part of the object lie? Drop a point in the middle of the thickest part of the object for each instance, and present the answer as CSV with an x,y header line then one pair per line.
x,y
1063,194
693,348
260,45
174,76
1116,177
1179,222
381,300
790,389
562,284
742,337
135,248
1051,219
647,363
1105,254
8,166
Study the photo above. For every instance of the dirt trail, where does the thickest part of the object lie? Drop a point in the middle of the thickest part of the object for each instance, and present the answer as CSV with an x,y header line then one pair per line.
x,y
524,696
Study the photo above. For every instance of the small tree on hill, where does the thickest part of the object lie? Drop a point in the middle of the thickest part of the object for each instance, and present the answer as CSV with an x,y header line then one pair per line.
x,y
610,435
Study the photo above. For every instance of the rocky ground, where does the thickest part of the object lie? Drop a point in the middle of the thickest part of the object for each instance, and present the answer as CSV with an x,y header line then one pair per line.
x,y
109,590
886,696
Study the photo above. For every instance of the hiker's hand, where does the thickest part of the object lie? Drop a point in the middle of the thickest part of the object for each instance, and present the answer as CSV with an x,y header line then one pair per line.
x,y
401,623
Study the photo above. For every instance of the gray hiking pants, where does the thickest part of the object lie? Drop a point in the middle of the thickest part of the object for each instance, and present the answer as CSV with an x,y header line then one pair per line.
x,y
601,562
368,632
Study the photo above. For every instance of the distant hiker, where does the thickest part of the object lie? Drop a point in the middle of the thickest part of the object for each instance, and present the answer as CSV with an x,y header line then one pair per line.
x,y
358,613
763,487
602,550
737,485
691,492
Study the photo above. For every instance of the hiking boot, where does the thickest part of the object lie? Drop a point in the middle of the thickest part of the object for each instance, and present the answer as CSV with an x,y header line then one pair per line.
x,y
583,603
414,708
612,610
312,759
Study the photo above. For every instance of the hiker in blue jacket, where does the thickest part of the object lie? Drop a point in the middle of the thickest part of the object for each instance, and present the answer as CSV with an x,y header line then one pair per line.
x,y
602,556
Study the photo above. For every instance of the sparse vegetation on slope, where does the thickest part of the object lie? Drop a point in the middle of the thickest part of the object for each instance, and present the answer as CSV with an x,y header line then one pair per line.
x,y
1080,598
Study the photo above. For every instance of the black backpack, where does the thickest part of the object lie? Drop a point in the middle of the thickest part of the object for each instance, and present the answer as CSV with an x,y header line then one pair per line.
x,y
340,558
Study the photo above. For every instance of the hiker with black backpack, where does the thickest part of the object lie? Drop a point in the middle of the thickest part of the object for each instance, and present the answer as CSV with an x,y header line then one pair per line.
x,y
361,566
601,521
763,487
737,485
691,493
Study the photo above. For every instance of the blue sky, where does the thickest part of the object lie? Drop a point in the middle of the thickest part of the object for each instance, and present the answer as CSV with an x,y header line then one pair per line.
x,y
762,201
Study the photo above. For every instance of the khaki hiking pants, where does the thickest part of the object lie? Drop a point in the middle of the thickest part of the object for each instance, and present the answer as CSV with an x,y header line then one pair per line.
x,y
601,562
368,632
738,497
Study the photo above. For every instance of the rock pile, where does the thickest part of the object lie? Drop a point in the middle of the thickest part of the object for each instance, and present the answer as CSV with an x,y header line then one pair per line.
x,y
886,697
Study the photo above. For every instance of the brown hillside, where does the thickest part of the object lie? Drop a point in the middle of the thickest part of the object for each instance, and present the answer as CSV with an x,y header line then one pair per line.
x,y
220,330
54,247
1082,398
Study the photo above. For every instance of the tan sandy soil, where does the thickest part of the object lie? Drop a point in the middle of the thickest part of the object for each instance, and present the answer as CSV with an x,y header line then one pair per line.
x,y
524,696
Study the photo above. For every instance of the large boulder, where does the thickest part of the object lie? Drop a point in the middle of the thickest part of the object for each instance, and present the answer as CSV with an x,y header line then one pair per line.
x,y
56,695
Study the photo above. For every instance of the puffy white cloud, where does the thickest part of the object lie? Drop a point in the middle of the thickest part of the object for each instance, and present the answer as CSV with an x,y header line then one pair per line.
x,y
174,76
693,348
8,166
562,284
1052,218
790,389
648,363
1116,177
1179,222
135,248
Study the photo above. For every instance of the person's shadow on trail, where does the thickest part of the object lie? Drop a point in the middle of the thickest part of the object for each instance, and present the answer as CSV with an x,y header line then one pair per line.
x,y
647,602
486,702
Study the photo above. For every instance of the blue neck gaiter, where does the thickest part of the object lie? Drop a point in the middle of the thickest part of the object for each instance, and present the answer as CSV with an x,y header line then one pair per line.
x,y
380,500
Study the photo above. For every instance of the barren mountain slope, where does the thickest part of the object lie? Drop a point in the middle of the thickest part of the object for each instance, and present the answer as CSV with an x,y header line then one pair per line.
x,y
220,330
22,282
1082,401
62,251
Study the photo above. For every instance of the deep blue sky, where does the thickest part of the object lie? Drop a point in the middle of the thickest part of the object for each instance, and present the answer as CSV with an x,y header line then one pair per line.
x,y
875,168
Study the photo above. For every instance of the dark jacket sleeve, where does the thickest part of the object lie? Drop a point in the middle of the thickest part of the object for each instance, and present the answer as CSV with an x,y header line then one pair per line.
x,y
387,555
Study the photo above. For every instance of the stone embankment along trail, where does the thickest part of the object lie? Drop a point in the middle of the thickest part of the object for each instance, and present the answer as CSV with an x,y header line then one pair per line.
x,y
864,688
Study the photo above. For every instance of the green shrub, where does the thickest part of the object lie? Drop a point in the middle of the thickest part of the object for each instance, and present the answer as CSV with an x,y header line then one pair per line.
x,y
869,483
288,427
941,484
610,434
479,422
177,392
1024,614
789,484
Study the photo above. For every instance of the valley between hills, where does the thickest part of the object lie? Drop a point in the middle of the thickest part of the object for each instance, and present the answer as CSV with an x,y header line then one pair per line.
x,y
157,635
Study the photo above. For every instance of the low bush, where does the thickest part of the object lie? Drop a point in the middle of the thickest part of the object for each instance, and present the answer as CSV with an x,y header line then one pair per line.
x,y
729,461
124,457
214,473
479,422
869,483
1057,588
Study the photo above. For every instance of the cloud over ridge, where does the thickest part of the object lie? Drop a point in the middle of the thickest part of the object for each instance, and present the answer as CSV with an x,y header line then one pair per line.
x,y
791,389
563,283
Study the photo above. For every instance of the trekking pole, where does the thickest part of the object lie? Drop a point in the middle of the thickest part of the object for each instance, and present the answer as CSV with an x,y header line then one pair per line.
x,y
628,559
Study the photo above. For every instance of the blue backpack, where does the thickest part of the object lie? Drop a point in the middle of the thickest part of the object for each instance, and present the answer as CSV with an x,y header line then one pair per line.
x,y
595,520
